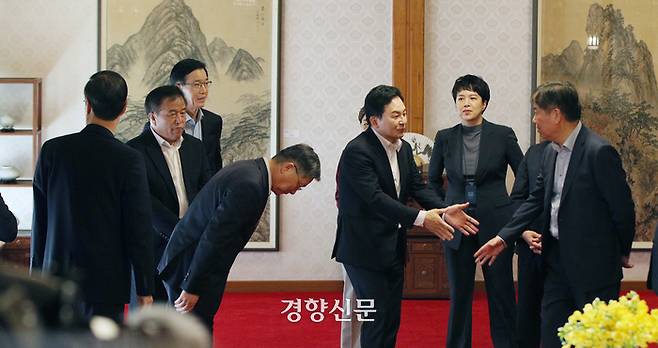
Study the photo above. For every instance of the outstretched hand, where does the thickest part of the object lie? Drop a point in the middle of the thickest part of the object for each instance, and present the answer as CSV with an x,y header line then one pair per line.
x,y
456,217
435,224
488,252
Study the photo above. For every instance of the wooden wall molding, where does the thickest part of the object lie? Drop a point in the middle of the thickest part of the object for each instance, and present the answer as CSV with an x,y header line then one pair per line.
x,y
409,58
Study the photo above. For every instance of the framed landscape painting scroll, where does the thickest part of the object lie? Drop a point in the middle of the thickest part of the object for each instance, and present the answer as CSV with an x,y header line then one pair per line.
x,y
608,51
238,40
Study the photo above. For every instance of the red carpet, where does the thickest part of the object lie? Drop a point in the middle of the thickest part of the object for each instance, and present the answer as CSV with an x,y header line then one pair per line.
x,y
254,320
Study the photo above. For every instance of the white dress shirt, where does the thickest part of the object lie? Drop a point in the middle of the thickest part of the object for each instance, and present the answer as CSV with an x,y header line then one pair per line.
x,y
392,154
172,157
561,166
269,178
194,128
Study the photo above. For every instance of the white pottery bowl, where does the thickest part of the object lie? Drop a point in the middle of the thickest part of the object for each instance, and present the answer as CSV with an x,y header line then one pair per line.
x,y
6,122
8,173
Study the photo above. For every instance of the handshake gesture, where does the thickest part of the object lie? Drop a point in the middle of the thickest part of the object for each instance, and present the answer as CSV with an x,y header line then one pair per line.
x,y
454,218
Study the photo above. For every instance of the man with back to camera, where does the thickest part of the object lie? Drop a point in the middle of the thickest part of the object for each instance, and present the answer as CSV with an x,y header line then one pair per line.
x,y
376,178
588,210
191,76
176,166
219,223
92,217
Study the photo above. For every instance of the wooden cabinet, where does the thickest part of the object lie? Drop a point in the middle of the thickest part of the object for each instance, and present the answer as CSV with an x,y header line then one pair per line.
x,y
425,274
17,253
20,99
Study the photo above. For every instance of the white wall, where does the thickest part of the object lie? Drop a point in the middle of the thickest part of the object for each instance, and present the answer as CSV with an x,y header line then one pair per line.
x,y
332,53
492,39
56,41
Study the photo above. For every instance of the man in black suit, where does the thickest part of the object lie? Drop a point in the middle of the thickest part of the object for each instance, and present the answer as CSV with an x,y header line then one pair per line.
x,y
377,177
588,210
652,279
219,223
528,248
92,216
191,76
8,223
176,166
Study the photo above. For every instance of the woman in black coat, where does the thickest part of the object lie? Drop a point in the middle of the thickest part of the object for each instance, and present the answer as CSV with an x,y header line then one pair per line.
x,y
475,155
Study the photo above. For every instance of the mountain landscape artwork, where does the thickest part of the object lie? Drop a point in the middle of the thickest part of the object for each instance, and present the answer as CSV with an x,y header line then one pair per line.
x,y
235,39
605,50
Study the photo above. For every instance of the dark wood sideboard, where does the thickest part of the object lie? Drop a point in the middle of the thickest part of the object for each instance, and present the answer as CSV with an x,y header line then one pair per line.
x,y
425,275
17,253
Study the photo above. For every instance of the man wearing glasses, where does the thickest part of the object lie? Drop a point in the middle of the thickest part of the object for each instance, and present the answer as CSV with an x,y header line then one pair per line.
x,y
219,222
191,76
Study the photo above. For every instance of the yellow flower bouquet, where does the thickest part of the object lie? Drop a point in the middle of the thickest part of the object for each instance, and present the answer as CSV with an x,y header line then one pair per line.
x,y
626,322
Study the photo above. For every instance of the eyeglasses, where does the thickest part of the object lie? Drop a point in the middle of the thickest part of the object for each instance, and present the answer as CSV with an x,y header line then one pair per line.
x,y
299,183
198,84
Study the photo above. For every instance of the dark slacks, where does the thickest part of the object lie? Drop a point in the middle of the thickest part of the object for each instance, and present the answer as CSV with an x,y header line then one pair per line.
x,y
113,311
385,288
159,292
500,295
531,289
561,299
208,304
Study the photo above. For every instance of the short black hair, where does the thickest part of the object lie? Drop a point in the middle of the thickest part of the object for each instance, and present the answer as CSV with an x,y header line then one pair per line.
x,y
376,101
471,83
183,68
561,95
154,99
304,157
106,92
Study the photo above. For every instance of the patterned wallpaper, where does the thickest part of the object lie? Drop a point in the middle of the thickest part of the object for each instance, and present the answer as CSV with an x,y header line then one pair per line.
x,y
332,53
485,38
492,39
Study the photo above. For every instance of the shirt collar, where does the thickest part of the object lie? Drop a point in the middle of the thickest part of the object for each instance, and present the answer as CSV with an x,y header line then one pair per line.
x,y
162,142
269,177
570,141
387,144
189,119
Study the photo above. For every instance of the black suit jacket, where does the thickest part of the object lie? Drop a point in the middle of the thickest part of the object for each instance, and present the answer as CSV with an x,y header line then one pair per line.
x,y
164,201
596,220
211,125
8,223
369,209
498,149
652,278
92,216
526,180
216,228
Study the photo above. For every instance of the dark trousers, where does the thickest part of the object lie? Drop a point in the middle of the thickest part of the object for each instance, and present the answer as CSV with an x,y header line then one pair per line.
x,y
208,304
500,295
159,292
385,288
113,311
531,289
561,299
